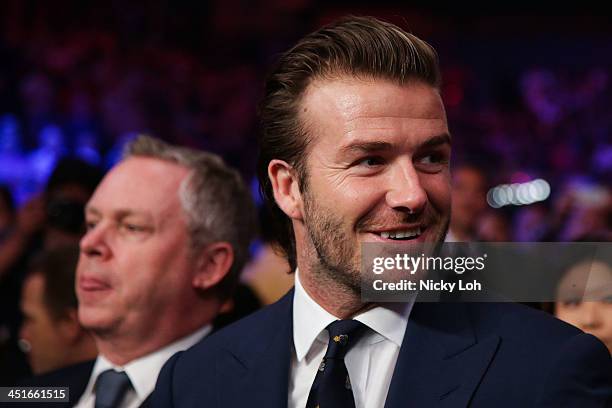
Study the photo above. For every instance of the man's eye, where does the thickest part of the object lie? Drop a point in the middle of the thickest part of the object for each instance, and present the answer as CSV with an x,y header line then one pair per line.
x,y
571,302
607,299
132,227
434,158
371,161
90,225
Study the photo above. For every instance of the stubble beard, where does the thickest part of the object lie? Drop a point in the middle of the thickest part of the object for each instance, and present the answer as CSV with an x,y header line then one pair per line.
x,y
336,258
336,264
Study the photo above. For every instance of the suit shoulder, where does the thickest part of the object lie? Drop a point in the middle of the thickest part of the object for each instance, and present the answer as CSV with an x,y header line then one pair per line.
x,y
512,320
246,332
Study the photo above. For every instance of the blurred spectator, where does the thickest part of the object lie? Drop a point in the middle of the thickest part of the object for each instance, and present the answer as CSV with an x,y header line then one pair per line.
x,y
268,272
7,212
51,146
493,226
590,211
584,298
68,190
530,223
13,165
50,334
55,217
50,220
30,219
469,188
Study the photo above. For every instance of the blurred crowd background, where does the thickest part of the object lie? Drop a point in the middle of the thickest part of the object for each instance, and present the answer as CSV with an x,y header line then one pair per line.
x,y
528,96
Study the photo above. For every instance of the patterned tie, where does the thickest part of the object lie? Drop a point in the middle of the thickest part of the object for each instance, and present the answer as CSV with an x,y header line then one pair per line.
x,y
111,386
332,386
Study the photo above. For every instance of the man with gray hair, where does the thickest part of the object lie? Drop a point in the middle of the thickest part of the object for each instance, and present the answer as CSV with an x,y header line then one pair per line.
x,y
168,231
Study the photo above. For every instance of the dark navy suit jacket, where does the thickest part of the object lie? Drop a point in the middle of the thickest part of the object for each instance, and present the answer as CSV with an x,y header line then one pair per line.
x,y
75,377
453,355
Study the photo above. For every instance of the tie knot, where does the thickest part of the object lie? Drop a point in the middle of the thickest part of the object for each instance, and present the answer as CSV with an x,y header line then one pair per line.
x,y
111,386
343,334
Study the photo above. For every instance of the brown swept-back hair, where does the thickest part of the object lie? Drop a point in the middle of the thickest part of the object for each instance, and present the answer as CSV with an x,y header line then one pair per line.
x,y
362,47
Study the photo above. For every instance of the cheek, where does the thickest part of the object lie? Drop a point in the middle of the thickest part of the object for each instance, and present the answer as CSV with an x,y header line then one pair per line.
x,y
438,189
359,198
41,336
567,314
166,265
607,314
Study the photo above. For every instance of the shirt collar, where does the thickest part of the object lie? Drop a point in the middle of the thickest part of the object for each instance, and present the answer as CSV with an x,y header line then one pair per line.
x,y
310,319
141,369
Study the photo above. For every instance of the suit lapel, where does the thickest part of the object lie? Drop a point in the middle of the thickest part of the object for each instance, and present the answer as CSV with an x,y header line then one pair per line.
x,y
440,362
255,370
146,403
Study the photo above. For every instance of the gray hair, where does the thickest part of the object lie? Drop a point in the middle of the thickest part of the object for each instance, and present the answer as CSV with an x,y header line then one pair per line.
x,y
216,202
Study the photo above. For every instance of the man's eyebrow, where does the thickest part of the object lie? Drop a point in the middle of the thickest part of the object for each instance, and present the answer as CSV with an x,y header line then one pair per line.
x,y
366,147
369,147
121,212
91,210
436,141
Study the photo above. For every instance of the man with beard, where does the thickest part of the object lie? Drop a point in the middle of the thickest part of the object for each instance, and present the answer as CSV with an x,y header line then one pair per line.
x,y
355,148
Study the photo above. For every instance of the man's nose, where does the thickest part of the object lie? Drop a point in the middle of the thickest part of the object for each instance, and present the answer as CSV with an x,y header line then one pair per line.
x,y
95,242
590,317
406,193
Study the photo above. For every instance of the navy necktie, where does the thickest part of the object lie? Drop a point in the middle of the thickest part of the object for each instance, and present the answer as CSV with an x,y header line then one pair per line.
x,y
111,387
332,385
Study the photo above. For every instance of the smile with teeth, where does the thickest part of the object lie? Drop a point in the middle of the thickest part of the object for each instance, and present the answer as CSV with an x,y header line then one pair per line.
x,y
401,234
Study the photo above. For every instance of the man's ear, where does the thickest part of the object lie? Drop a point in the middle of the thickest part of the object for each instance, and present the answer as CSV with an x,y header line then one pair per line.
x,y
214,263
286,188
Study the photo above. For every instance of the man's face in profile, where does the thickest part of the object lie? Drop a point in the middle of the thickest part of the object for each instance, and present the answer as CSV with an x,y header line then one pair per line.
x,y
377,168
50,337
135,267
584,299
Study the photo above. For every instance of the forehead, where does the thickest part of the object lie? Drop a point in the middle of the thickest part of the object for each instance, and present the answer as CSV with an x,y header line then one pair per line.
x,y
596,275
351,107
140,183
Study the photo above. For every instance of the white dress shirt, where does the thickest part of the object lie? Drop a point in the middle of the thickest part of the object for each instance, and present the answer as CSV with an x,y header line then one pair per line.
x,y
370,362
142,372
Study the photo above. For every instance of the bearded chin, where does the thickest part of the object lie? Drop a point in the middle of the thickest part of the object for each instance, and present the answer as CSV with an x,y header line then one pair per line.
x,y
336,257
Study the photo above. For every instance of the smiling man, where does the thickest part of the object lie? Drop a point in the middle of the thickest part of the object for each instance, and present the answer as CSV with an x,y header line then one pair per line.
x,y
355,148
168,231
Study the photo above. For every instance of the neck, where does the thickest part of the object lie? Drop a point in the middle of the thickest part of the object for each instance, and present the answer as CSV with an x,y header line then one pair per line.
x,y
84,350
333,291
336,298
122,346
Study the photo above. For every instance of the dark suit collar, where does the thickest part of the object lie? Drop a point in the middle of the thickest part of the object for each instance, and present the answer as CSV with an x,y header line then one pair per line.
x,y
256,364
441,362
147,402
